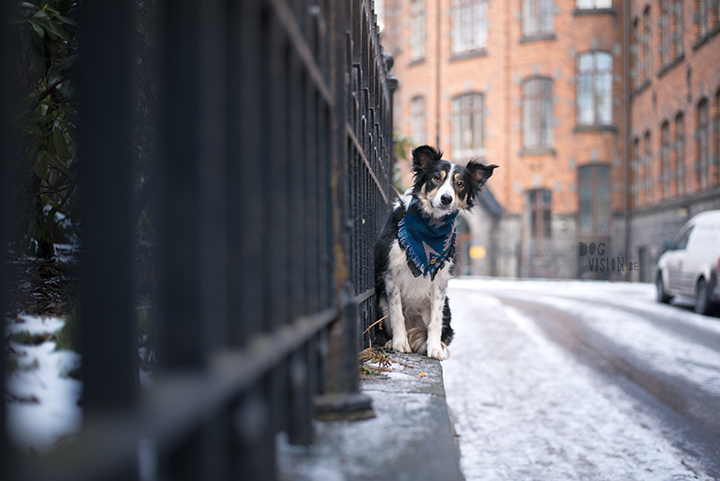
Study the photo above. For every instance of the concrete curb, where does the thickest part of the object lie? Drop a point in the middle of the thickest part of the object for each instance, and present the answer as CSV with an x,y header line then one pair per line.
x,y
410,437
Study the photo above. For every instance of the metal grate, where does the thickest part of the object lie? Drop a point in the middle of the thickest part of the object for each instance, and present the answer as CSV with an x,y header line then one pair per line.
x,y
272,181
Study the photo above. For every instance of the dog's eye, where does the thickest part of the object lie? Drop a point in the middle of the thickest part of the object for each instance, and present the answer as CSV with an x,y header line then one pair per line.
x,y
437,177
460,184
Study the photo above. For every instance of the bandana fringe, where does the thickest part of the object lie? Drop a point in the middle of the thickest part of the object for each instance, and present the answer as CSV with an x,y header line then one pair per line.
x,y
444,244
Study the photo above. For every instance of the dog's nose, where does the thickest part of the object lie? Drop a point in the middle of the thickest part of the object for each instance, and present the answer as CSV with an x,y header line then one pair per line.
x,y
446,199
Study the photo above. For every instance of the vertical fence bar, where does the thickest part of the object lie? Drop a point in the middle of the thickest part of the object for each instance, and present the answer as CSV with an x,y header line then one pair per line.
x,y
295,87
106,156
7,175
180,343
245,217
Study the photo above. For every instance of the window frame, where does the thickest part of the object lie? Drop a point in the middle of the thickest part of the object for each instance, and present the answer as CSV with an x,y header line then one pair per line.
x,y
595,182
582,5
707,15
474,113
665,40
702,161
416,39
664,164
680,142
466,35
537,18
537,113
538,205
418,117
646,47
595,101
636,177
648,161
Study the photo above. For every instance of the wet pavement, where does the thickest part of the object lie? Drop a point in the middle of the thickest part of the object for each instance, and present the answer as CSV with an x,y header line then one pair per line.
x,y
528,404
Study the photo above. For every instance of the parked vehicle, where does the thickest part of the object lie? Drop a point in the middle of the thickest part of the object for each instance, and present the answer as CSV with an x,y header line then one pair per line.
x,y
691,264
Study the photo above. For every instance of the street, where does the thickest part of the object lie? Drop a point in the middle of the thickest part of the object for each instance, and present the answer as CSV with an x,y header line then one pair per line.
x,y
553,380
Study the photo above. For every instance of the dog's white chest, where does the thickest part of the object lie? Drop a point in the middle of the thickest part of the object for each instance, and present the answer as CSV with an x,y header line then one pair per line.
x,y
413,289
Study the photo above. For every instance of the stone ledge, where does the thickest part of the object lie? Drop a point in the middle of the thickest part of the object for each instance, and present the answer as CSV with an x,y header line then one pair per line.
x,y
410,437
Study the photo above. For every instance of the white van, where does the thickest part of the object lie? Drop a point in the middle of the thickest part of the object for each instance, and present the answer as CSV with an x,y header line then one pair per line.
x,y
691,264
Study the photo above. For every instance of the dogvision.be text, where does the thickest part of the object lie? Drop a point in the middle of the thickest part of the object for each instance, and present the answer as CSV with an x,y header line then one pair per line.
x,y
604,264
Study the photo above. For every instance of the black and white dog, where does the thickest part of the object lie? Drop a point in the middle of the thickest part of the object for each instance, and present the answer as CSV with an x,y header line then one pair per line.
x,y
415,252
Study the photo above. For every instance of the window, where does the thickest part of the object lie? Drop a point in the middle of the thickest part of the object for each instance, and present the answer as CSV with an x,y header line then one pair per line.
x,y
665,35
537,113
648,161
635,55
680,152
707,16
664,165
716,122
537,17
594,96
417,30
593,4
702,163
645,50
635,174
681,242
470,25
417,120
594,198
467,126
539,204
671,31
678,27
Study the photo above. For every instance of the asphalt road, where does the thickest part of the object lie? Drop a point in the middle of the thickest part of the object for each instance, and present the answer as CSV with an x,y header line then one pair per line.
x,y
586,381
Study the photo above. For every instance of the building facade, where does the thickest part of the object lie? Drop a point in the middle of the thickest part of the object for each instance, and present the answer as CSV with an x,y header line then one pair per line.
x,y
578,101
674,141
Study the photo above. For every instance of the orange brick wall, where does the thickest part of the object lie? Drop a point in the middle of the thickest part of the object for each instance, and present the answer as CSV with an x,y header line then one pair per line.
x,y
498,75
677,90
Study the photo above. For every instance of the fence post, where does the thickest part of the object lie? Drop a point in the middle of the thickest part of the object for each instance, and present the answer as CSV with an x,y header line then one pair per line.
x,y
106,152
8,157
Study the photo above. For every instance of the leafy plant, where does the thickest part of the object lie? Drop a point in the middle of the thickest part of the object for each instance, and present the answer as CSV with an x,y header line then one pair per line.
x,y
48,65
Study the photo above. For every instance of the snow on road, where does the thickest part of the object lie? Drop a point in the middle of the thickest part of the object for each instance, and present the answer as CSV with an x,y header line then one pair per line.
x,y
661,349
526,409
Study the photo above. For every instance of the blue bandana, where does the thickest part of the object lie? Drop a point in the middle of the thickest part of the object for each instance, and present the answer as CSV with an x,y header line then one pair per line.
x,y
428,242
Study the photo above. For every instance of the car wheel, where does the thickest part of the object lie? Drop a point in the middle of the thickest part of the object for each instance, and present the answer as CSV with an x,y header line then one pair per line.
x,y
661,294
702,297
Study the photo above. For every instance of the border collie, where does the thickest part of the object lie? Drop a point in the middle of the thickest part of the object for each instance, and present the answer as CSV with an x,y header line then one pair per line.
x,y
415,252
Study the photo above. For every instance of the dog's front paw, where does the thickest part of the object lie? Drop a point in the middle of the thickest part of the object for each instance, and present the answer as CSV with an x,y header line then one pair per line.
x,y
435,351
401,344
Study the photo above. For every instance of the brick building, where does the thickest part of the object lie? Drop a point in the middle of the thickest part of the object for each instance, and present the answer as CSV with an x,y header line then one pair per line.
x,y
674,140
581,103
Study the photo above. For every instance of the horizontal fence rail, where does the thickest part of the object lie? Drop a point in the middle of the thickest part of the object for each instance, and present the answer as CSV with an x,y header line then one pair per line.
x,y
270,180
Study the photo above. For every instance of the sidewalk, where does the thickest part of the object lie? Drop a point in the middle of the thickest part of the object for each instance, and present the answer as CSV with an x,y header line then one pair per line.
x,y
410,437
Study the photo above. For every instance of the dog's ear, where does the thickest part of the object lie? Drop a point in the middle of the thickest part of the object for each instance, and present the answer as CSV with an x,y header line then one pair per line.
x,y
480,173
424,156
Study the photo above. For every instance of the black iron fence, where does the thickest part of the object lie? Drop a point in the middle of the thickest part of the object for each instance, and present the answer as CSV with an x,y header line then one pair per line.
x,y
271,183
